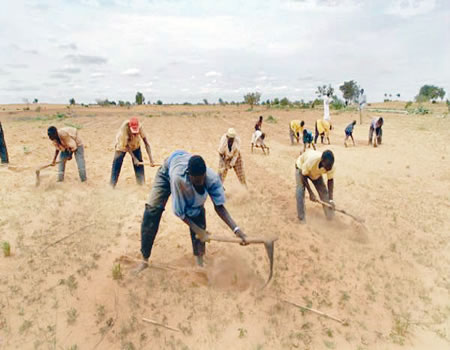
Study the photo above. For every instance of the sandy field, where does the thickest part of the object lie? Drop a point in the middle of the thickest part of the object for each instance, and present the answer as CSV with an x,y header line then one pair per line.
x,y
387,279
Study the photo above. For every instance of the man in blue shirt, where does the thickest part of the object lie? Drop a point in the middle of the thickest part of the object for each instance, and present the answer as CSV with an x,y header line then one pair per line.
x,y
349,132
189,181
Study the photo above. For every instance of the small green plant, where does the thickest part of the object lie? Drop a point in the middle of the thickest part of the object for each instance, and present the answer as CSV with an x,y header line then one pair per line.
x,y
271,119
73,125
242,332
26,325
408,104
73,347
117,272
101,313
72,316
6,249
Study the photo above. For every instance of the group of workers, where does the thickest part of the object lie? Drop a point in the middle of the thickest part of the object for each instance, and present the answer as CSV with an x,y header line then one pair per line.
x,y
187,178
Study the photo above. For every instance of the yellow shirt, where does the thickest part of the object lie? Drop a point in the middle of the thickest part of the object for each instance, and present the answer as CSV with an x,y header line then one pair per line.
x,y
308,163
323,127
296,127
69,139
126,140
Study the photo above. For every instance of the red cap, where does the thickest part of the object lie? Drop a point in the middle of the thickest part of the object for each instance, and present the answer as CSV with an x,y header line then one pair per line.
x,y
134,125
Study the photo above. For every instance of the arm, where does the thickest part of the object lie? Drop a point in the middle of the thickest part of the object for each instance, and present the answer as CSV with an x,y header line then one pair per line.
x,y
312,196
55,157
149,150
226,218
330,189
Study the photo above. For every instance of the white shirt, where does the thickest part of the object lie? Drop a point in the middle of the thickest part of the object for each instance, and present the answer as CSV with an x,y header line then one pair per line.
x,y
326,108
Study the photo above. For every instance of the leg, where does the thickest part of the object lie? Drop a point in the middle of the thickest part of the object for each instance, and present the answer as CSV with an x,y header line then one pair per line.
x,y
62,165
223,169
370,134
153,210
312,144
198,247
300,195
379,135
79,157
323,194
321,138
239,169
345,141
291,135
3,149
353,140
116,166
139,169
316,135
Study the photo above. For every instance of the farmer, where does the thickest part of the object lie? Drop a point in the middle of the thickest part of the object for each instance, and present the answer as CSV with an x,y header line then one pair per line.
x,y
128,140
230,156
67,141
349,132
361,104
376,125
187,178
295,129
326,107
258,124
311,165
308,139
323,128
258,138
3,149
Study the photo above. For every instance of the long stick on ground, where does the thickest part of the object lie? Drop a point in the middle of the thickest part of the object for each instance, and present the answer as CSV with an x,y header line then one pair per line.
x,y
342,211
160,324
65,237
310,309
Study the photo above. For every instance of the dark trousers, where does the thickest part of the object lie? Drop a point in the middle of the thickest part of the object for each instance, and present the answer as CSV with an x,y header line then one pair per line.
x,y
317,136
3,149
159,195
378,134
300,194
117,166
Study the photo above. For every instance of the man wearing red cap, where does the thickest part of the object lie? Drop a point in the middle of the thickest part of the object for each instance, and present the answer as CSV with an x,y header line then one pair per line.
x,y
128,140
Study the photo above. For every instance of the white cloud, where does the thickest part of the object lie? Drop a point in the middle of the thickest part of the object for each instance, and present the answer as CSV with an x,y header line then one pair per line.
x,y
71,69
213,74
410,8
97,75
133,72
86,59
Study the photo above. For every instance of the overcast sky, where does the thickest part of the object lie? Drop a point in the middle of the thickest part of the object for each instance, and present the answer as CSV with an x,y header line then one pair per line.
x,y
187,50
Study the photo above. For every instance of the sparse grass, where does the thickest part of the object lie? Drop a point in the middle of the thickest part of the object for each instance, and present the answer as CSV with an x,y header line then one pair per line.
x,y
73,347
70,282
6,247
26,325
271,119
329,344
100,314
117,272
72,316
399,329
242,332
73,125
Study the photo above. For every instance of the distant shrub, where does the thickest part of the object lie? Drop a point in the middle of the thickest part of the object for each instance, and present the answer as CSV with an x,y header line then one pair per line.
x,y
421,110
408,104
271,119
6,247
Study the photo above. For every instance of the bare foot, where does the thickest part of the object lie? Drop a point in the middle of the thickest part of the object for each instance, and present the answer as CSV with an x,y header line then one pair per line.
x,y
142,266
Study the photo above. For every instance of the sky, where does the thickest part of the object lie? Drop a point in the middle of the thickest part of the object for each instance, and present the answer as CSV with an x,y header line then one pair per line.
x,y
188,50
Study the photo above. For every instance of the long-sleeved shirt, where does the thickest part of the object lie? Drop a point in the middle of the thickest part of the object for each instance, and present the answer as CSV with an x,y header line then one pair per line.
x,y
296,126
229,155
126,140
323,127
69,139
308,164
186,201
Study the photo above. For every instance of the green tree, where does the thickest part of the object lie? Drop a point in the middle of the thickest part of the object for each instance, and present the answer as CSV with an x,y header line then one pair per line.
x,y
350,90
284,102
159,102
430,92
72,101
140,99
205,101
276,101
121,103
325,90
221,102
35,100
252,98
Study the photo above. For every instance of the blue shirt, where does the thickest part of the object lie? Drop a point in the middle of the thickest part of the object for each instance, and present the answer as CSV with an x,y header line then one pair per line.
x,y
307,137
349,128
186,201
